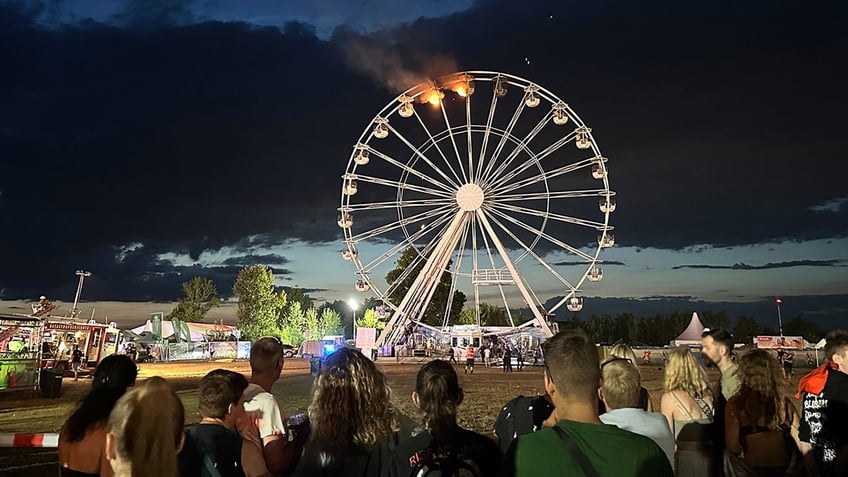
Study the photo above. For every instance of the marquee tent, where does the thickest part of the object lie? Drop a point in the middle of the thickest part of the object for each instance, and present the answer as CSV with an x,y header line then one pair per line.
x,y
691,336
198,331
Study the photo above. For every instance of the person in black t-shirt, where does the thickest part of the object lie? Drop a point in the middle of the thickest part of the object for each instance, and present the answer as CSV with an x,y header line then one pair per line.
x,y
212,448
824,410
440,447
353,421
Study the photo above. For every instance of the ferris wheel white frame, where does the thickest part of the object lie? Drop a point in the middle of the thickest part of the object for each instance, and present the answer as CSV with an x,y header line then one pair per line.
x,y
463,201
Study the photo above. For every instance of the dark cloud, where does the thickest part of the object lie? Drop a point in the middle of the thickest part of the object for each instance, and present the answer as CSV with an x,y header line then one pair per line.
x,y
194,135
768,266
265,259
605,262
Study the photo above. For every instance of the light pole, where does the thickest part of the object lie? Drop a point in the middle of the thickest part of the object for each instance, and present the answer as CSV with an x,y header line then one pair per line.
x,y
778,301
353,306
81,274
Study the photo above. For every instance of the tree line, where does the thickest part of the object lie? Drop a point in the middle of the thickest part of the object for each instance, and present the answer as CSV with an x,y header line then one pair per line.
x,y
661,329
265,309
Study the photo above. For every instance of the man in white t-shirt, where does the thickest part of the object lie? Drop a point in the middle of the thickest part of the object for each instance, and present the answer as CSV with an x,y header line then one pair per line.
x,y
620,393
267,449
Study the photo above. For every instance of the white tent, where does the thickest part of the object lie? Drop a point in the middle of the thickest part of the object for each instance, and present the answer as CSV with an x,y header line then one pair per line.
x,y
197,330
691,335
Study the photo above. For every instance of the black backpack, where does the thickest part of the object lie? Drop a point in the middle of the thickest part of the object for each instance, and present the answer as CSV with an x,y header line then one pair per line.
x,y
521,415
450,466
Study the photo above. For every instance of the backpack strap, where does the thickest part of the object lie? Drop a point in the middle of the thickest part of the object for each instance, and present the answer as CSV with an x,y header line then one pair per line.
x,y
208,464
576,453
705,408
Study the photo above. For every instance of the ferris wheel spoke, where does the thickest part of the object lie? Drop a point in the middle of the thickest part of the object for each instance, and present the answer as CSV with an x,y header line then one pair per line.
x,y
534,160
422,156
468,135
400,223
522,145
399,185
488,129
394,204
457,266
444,222
441,153
565,194
370,266
453,141
502,142
545,175
532,253
545,236
409,169
550,215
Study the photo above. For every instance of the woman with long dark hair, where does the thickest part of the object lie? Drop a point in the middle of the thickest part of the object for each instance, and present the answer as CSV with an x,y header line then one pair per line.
x,y
439,446
82,440
761,423
353,421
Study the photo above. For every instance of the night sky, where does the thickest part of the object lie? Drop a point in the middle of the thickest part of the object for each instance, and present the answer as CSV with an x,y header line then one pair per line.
x,y
149,143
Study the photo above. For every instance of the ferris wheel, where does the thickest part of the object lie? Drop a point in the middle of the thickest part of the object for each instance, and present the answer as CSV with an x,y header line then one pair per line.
x,y
487,180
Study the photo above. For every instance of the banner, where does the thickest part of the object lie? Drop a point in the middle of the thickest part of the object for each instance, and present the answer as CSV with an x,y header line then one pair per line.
x,y
778,342
18,374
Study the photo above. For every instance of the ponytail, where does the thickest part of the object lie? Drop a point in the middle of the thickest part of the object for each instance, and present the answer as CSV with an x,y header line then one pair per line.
x,y
147,425
439,396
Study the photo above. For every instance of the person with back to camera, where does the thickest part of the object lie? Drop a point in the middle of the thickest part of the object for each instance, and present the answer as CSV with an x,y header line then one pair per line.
x,y
469,359
267,448
761,422
441,446
82,440
212,448
824,420
354,423
622,351
620,393
579,443
688,406
145,431
76,361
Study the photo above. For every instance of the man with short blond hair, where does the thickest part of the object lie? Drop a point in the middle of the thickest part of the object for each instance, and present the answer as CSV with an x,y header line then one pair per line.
x,y
267,449
620,394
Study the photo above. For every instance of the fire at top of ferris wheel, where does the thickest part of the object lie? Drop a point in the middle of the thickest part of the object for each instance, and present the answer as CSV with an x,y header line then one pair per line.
x,y
473,172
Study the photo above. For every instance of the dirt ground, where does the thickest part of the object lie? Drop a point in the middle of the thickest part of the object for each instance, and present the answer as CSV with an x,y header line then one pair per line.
x,y
486,390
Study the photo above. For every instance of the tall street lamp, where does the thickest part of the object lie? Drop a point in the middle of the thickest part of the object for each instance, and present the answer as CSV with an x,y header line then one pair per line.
x,y
82,274
353,306
778,301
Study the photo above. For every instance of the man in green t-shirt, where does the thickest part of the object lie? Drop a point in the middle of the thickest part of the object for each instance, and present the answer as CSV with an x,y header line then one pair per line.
x,y
572,378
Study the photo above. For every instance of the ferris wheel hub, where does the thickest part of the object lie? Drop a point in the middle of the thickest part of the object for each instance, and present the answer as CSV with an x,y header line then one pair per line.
x,y
469,197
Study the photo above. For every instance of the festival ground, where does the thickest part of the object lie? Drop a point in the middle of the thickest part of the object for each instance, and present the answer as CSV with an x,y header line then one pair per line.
x,y
485,392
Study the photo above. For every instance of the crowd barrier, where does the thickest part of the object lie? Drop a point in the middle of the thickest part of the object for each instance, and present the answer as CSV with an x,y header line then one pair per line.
x,y
29,440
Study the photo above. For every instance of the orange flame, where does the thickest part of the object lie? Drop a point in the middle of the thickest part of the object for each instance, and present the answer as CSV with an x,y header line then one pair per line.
x,y
460,90
434,97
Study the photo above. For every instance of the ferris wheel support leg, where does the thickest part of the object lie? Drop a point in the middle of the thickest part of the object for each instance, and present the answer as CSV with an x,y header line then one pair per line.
x,y
415,302
540,320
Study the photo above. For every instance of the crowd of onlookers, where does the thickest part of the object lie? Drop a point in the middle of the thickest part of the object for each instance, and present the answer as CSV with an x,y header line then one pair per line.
x,y
595,419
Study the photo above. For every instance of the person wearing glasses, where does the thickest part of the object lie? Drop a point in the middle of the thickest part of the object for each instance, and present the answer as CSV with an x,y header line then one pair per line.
x,y
620,393
579,443
267,448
